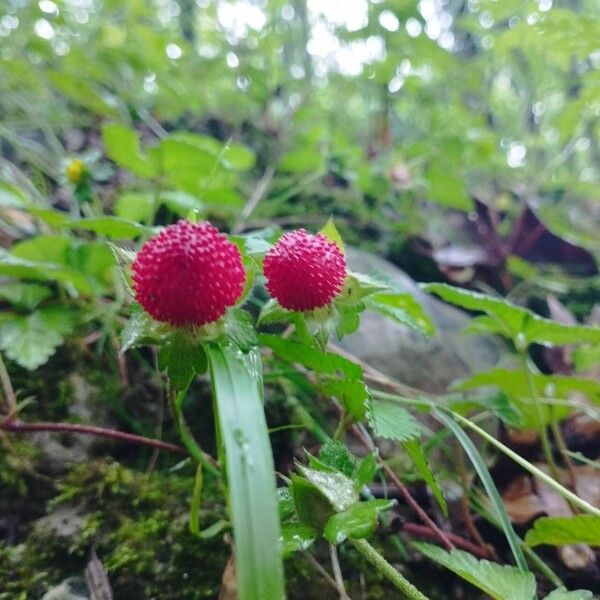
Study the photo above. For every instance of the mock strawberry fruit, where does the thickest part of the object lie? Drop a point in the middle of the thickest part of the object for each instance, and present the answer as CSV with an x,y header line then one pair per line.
x,y
304,271
189,274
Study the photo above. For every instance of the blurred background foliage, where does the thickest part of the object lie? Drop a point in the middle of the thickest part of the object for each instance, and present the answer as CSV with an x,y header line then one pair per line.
x,y
364,109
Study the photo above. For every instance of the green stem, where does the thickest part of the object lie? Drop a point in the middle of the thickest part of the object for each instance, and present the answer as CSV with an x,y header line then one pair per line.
x,y
385,569
186,437
196,500
555,485
543,433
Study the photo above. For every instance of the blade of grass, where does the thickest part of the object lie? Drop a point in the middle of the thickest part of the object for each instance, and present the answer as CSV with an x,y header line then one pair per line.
x,y
237,389
563,491
489,486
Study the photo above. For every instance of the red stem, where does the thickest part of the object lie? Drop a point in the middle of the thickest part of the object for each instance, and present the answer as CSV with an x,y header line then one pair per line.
x,y
425,518
16,426
460,542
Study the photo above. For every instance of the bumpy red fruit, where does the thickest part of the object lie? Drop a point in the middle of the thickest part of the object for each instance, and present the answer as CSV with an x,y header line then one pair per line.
x,y
189,274
304,271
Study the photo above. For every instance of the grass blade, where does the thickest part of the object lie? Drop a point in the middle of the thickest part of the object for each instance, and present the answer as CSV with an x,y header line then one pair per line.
x,y
237,387
488,484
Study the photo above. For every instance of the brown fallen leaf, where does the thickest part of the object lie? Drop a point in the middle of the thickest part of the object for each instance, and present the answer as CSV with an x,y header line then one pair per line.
x,y
527,498
229,581
97,579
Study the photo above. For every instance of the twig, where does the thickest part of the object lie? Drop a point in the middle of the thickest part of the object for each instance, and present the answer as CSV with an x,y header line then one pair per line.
x,y
460,542
317,566
257,195
425,518
16,426
337,572
9,393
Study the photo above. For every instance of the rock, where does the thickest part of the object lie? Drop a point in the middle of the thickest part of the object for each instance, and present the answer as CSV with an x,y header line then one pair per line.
x,y
73,588
59,452
427,364
64,522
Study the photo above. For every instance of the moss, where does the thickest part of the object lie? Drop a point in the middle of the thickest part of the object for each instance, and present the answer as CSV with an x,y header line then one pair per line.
x,y
138,525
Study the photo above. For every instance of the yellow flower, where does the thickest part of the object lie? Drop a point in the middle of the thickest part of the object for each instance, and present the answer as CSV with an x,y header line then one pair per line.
x,y
76,170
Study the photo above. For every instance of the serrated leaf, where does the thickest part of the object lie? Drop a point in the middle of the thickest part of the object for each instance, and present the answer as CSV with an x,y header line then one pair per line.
x,y
15,266
337,488
182,358
563,594
499,581
336,456
352,394
273,312
513,321
559,531
357,521
515,383
330,231
123,147
312,506
311,357
348,319
415,451
24,295
403,309
140,330
31,340
393,422
295,537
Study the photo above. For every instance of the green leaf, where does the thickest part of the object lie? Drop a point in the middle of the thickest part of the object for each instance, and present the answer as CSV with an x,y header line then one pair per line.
x,y
516,385
24,295
393,422
141,330
31,340
240,329
273,312
43,271
123,147
337,488
295,537
559,531
302,160
499,581
312,506
563,594
357,521
114,227
248,462
353,395
330,231
335,455
488,483
81,92
585,357
11,195
447,189
415,451
519,324
311,357
403,309
135,206
365,471
182,358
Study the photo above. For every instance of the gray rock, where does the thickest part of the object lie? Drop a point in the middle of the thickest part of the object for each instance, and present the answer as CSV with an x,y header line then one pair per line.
x,y
59,452
430,364
73,588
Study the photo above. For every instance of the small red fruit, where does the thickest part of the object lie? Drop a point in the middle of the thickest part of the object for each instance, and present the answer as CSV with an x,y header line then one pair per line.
x,y
189,274
304,271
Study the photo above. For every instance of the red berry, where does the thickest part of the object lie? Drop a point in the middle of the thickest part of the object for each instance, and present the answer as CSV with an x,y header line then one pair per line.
x,y
189,274
304,271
